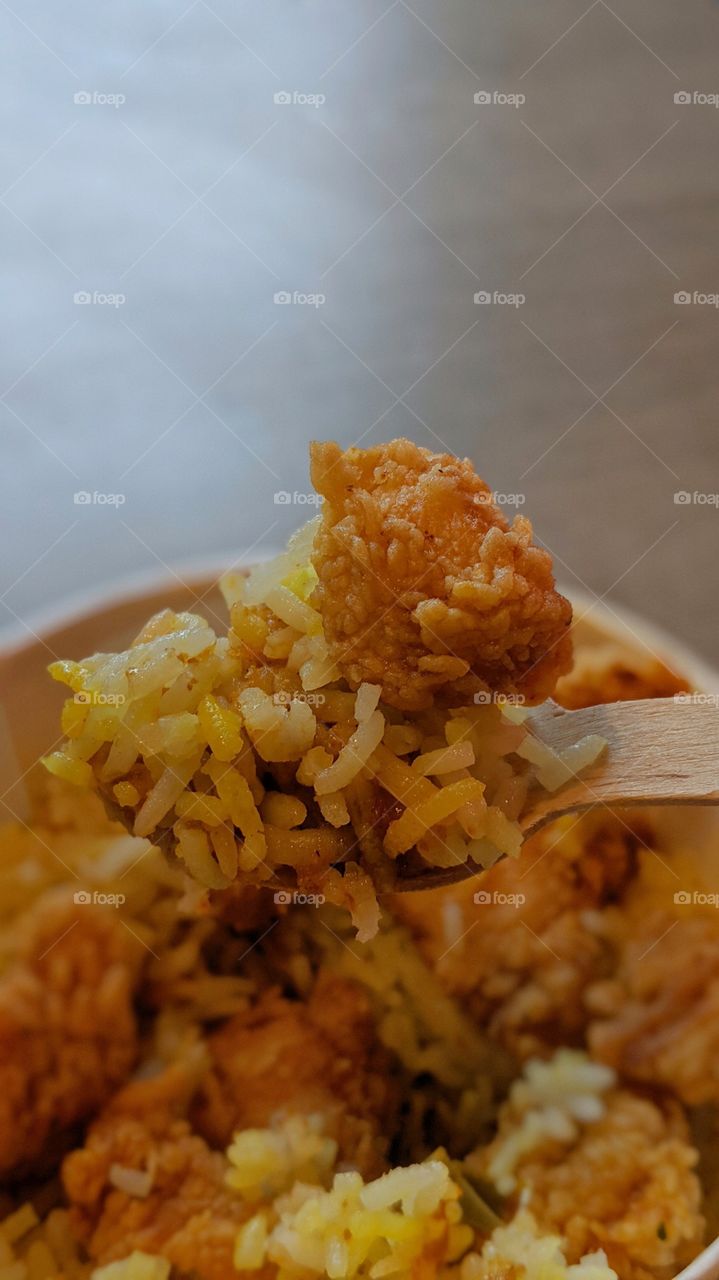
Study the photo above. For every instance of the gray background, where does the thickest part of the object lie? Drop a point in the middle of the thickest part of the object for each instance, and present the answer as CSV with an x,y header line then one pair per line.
x,y
399,197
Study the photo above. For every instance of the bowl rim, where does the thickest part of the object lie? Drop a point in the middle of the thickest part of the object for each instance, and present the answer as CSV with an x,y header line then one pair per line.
x,y
620,623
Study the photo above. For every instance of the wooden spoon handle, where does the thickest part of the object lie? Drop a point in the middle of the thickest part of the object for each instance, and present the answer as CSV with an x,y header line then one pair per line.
x,y
660,751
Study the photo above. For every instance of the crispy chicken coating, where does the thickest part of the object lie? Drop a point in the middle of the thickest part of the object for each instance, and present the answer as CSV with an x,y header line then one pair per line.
x,y
515,944
322,1057
656,1020
282,1057
188,1214
68,1034
626,1185
424,587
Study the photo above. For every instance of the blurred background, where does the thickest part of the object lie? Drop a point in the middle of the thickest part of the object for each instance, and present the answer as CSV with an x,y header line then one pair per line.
x,y
227,228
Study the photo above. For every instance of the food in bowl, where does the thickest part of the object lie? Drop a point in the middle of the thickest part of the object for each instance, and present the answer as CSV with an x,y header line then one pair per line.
x,y
510,1079
364,716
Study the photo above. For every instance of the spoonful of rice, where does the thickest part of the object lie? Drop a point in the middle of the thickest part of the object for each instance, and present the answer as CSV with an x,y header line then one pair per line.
x,y
376,717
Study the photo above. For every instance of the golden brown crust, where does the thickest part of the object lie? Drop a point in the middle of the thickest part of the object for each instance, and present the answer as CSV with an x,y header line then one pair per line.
x,y
321,1057
626,1185
656,1020
68,1034
423,585
522,958
189,1216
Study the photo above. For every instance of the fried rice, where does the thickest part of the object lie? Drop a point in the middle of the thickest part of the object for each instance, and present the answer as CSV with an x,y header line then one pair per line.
x,y
203,1077
445,1100
291,749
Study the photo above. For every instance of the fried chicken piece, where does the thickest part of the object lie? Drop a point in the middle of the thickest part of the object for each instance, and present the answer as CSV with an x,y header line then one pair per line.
x,y
321,1057
68,1034
188,1214
626,1185
424,587
521,956
609,673
657,1019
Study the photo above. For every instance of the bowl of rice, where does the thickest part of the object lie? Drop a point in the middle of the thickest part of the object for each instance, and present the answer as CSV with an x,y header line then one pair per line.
x,y
515,1076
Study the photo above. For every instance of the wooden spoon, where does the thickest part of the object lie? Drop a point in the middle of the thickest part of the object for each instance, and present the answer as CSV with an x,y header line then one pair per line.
x,y
659,751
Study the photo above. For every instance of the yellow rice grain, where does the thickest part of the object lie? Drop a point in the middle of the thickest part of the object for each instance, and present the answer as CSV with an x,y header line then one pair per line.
x,y
460,755
224,846
283,811
414,823
334,809
198,807
126,794
78,772
353,757
222,727
293,611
